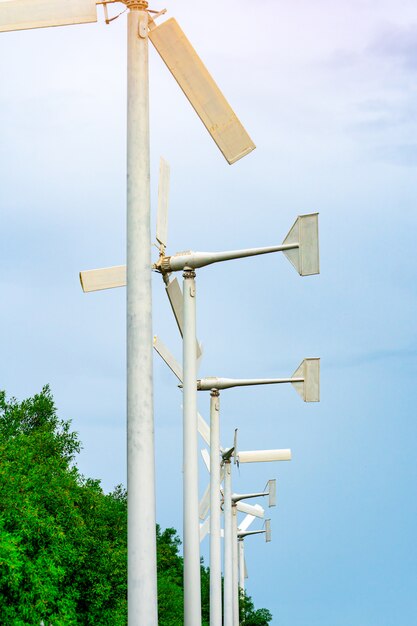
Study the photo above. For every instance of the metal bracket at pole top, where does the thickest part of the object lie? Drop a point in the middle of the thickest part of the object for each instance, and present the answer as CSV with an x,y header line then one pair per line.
x,y
140,5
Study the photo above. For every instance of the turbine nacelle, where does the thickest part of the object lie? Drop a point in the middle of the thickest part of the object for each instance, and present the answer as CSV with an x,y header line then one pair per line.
x,y
300,247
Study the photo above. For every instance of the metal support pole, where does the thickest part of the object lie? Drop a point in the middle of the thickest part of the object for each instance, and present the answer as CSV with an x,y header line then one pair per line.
x,y
215,547
235,568
142,585
228,547
191,536
241,549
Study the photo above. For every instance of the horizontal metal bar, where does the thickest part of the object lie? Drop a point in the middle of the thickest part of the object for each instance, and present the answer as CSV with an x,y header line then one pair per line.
x,y
195,260
209,383
245,496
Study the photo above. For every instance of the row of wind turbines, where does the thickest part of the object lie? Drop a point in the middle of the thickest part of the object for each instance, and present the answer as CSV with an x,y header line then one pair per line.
x,y
300,246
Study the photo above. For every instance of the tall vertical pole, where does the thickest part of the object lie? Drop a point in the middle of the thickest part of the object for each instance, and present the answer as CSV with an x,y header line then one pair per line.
x,y
142,583
191,536
228,547
235,567
241,548
215,547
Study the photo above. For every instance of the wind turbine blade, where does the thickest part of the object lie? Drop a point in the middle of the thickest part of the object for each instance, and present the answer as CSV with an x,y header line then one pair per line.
x,y
175,367
166,355
163,194
103,278
25,14
264,456
175,298
176,301
201,90
206,458
204,505
204,529
246,522
252,509
200,350
235,452
203,428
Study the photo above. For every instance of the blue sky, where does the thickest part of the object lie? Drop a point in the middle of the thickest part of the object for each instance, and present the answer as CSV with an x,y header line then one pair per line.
x,y
328,93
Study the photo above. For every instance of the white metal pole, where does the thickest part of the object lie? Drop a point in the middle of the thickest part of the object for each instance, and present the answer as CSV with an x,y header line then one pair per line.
x,y
142,583
191,535
241,548
235,568
215,547
228,547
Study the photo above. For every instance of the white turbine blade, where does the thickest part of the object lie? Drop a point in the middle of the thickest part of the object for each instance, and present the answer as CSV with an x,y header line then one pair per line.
x,y
176,301
175,298
25,14
175,367
252,509
309,388
264,456
204,529
200,351
104,278
201,90
246,522
235,453
166,355
206,458
203,428
163,194
204,505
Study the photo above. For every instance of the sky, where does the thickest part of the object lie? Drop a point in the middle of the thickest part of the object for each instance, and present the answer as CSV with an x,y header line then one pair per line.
x,y
328,93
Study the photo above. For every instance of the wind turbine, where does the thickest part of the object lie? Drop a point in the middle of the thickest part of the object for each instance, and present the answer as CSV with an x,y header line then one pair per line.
x,y
239,562
241,534
231,584
234,143
217,472
306,382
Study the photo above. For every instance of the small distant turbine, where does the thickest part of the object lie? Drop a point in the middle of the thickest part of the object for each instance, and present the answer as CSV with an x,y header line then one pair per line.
x,y
231,584
241,534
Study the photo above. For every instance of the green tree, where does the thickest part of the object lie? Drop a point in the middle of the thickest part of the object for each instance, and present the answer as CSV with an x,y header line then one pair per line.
x,y
249,616
63,541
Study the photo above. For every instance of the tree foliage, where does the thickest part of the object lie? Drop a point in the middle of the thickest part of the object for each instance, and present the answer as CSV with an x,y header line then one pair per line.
x,y
249,616
63,549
